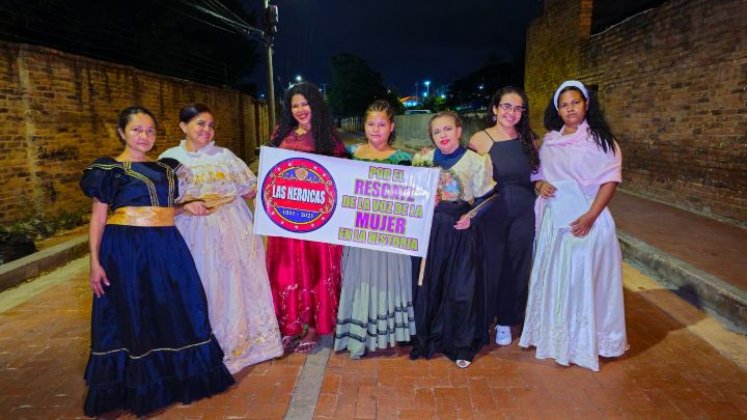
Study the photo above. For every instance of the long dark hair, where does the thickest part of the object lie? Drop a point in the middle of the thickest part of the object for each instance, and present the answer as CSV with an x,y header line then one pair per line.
x,y
322,125
526,135
598,127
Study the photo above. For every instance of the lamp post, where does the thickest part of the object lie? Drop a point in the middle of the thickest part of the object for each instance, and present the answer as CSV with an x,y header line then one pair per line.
x,y
268,75
427,84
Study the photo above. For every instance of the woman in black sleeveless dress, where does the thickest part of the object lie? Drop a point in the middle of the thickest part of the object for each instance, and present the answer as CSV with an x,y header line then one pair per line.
x,y
509,224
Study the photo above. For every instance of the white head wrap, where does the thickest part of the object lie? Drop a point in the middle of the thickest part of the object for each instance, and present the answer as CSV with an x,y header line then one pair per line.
x,y
570,83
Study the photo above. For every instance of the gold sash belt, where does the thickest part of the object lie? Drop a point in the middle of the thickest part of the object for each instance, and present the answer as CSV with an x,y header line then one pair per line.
x,y
142,216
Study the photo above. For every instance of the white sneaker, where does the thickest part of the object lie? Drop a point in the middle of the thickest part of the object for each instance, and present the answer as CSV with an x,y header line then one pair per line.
x,y
502,335
463,363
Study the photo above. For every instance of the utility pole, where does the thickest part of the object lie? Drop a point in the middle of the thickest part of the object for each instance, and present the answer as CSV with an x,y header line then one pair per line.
x,y
271,15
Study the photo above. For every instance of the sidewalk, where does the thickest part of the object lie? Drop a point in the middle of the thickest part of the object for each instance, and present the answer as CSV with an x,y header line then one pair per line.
x,y
675,368
702,259
682,363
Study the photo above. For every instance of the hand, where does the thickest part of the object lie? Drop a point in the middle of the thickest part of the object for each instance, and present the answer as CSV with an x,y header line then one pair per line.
x,y
581,226
197,208
463,223
545,189
98,280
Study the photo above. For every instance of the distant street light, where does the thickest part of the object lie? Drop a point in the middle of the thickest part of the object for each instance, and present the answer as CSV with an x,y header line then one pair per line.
x,y
299,79
427,84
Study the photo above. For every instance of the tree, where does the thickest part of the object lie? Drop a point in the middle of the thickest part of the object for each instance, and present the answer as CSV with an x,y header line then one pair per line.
x,y
474,91
354,85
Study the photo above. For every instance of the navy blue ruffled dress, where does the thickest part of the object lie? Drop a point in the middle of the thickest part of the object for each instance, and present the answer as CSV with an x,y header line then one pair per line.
x,y
151,341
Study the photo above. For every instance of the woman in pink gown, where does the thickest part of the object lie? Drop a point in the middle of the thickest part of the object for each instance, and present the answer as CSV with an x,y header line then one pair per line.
x,y
305,275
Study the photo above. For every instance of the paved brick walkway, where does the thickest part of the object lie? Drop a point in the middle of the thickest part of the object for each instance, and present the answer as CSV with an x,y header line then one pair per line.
x,y
44,339
715,247
675,368
668,373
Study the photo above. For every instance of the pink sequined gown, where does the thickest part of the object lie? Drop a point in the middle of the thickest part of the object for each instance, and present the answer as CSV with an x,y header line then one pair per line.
x,y
304,275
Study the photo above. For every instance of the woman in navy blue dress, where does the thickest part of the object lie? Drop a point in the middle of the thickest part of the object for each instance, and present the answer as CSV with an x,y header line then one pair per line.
x,y
151,342
509,224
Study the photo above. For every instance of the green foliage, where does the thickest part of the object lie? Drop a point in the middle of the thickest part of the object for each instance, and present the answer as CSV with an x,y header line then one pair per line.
x,y
392,97
435,103
354,85
474,90
36,228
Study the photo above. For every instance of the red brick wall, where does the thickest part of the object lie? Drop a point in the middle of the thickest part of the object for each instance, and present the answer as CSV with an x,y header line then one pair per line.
x,y
58,112
673,83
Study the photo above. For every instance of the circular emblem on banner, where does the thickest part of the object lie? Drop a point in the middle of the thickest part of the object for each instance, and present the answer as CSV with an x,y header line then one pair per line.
x,y
299,195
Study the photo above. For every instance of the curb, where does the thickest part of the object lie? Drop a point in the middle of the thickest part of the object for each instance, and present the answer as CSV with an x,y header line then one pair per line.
x,y
718,298
30,266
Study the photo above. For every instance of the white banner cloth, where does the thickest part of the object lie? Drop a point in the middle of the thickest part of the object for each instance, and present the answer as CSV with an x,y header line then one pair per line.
x,y
345,202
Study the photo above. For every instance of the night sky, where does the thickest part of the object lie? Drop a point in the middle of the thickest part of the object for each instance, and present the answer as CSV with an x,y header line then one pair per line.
x,y
407,41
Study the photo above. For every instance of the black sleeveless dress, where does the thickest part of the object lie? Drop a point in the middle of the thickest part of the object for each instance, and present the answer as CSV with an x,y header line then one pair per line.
x,y
509,233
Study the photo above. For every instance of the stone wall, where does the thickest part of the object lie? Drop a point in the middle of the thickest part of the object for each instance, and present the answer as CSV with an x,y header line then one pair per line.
x,y
673,83
58,112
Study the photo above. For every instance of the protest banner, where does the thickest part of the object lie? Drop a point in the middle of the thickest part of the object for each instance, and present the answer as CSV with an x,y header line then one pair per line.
x,y
345,202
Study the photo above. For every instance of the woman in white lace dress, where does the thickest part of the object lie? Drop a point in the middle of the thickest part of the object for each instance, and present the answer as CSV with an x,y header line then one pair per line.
x,y
217,225
575,311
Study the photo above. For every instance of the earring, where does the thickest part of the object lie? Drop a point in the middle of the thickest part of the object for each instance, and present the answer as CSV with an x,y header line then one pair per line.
x,y
494,118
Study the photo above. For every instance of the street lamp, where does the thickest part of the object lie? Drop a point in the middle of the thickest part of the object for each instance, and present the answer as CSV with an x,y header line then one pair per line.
x,y
299,79
427,84
271,16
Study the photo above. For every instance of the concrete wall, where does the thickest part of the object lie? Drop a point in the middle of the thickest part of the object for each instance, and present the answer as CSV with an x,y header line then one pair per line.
x,y
412,130
58,112
673,83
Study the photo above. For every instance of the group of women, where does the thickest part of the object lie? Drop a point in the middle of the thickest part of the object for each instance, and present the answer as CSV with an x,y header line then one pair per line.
x,y
185,295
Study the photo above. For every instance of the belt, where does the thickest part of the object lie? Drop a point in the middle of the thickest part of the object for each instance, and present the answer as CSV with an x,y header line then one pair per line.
x,y
142,216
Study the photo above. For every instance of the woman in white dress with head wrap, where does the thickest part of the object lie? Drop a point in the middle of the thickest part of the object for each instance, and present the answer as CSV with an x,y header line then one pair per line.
x,y
575,311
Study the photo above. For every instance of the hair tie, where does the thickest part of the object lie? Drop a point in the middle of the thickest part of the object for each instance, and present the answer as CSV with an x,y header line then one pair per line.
x,y
570,83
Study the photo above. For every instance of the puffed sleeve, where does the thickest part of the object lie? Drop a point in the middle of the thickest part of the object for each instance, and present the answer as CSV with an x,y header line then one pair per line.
x,y
401,157
482,181
423,158
245,179
351,148
101,179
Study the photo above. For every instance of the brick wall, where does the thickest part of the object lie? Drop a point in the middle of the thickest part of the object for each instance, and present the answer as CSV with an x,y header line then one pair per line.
x,y
58,112
673,83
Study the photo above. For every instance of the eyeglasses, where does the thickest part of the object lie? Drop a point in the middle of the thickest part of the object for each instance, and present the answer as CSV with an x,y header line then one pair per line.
x,y
510,108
